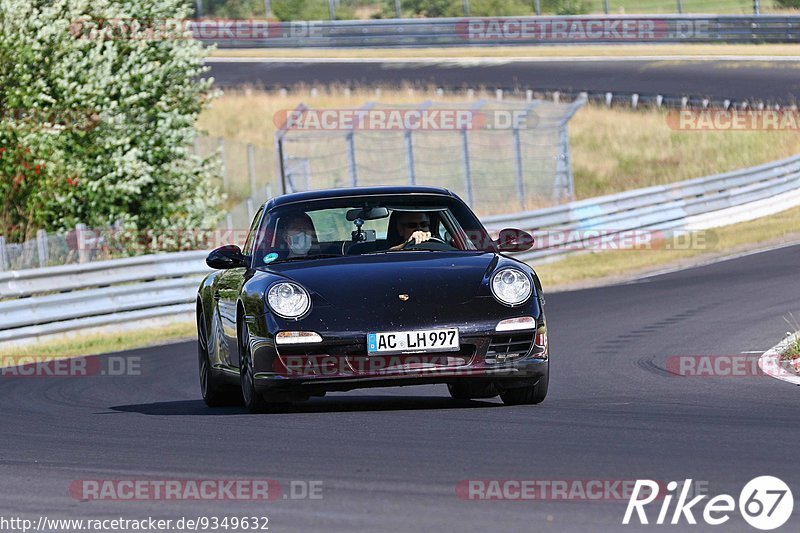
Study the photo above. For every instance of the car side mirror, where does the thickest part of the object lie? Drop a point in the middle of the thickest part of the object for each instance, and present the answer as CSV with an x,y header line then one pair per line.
x,y
514,240
225,257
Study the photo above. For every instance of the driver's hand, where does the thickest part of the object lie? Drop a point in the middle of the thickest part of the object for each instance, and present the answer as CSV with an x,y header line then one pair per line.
x,y
419,237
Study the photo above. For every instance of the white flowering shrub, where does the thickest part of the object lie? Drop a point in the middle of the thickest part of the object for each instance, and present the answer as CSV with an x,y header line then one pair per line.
x,y
98,127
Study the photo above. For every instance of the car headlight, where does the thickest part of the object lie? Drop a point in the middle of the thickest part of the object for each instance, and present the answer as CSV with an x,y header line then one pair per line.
x,y
511,286
288,300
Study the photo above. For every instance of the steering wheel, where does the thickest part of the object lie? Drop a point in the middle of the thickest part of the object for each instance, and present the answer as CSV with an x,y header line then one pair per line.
x,y
436,241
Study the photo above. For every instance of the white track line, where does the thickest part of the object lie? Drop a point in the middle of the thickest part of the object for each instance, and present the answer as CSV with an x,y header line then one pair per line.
x,y
770,362
470,61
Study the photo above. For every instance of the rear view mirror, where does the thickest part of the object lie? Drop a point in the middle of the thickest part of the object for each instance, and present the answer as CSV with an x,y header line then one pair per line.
x,y
367,213
514,240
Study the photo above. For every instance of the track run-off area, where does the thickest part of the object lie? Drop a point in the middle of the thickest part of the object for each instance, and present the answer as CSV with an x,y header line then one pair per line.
x,y
394,459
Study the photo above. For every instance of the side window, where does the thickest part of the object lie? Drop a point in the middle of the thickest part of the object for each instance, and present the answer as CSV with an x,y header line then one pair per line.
x,y
251,235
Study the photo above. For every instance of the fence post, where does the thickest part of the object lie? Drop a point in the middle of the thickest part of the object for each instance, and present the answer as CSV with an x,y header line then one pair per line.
x,y
398,9
680,7
518,168
332,9
198,8
466,8
564,186
412,175
267,8
281,163
41,245
221,142
756,7
467,168
537,7
351,159
605,6
3,254
80,239
251,168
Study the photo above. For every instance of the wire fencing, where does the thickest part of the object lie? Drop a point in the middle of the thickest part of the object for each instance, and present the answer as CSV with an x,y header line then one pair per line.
x,y
373,9
499,156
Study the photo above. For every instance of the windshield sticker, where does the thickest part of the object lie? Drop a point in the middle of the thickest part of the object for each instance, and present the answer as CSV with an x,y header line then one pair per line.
x,y
269,258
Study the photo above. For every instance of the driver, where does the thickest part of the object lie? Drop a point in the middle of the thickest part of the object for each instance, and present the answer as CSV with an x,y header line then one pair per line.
x,y
412,226
296,232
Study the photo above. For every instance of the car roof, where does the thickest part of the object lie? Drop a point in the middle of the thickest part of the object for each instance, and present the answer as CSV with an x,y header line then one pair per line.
x,y
349,192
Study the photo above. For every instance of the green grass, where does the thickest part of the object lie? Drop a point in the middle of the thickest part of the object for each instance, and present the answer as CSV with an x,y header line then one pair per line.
x,y
793,350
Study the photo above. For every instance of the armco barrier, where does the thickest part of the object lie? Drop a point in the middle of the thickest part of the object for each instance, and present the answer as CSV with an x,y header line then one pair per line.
x,y
668,207
62,298
55,299
586,29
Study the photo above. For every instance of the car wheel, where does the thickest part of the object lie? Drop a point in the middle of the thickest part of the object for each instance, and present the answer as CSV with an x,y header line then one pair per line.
x,y
215,394
253,400
465,390
527,395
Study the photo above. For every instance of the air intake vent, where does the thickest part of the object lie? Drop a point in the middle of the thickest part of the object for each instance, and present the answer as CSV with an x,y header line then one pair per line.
x,y
506,347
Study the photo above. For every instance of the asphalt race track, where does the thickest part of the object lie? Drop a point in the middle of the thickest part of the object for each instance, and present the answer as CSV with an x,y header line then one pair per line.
x,y
776,82
390,459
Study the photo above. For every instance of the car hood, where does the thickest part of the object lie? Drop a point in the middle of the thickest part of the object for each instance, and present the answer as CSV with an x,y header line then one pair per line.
x,y
370,283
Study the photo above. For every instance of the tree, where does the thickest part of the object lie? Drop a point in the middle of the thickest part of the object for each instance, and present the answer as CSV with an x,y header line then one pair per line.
x,y
97,120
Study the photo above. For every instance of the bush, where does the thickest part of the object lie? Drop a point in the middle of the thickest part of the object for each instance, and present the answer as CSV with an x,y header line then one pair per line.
x,y
234,9
306,10
565,7
499,8
788,4
96,129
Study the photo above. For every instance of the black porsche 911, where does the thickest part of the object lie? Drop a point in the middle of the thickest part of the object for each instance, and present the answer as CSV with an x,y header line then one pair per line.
x,y
370,287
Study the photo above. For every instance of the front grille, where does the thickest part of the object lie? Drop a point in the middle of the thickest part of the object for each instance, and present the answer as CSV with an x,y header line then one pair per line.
x,y
506,347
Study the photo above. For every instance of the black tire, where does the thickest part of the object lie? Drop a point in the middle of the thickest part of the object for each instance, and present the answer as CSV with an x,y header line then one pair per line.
x,y
215,394
253,400
465,390
527,395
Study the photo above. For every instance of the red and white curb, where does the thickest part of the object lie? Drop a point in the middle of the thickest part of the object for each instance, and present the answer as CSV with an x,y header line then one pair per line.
x,y
770,363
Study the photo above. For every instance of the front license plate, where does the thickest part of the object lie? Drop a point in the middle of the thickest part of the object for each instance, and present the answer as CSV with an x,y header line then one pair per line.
x,y
429,340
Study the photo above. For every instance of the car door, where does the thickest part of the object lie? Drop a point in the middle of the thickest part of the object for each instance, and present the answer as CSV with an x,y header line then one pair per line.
x,y
227,290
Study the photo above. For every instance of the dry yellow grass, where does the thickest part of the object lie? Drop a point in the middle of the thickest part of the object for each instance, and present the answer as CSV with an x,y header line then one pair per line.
x,y
615,150
612,149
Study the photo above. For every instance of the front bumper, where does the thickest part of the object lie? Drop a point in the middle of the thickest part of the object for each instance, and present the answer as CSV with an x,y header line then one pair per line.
x,y
509,360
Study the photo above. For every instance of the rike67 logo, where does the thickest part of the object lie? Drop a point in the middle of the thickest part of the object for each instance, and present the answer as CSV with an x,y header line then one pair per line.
x,y
765,503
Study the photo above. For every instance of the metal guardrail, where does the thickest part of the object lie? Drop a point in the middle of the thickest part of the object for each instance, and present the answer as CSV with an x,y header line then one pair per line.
x,y
55,299
660,208
587,29
62,298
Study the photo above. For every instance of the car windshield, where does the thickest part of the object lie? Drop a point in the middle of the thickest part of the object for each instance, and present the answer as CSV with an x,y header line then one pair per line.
x,y
368,225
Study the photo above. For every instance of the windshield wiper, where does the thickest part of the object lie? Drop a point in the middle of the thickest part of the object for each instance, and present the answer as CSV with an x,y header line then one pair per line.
x,y
305,258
